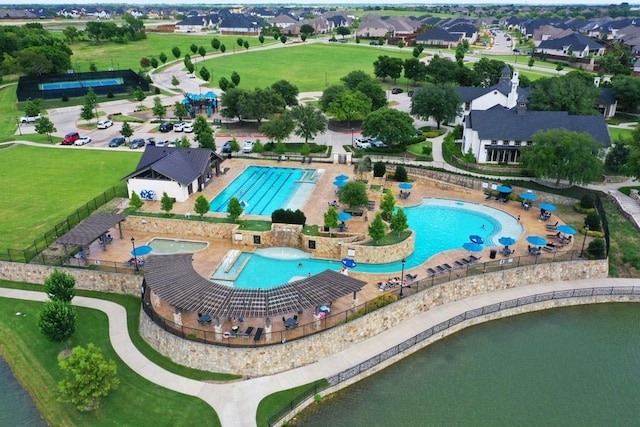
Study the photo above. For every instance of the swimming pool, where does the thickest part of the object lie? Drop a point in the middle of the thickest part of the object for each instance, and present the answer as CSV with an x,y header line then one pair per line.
x,y
439,224
75,84
171,246
263,189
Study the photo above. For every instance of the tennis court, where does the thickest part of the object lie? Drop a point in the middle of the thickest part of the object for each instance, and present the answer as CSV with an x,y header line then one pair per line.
x,y
75,84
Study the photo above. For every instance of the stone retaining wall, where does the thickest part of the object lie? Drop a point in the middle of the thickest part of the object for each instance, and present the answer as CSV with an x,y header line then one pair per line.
x,y
274,359
92,280
179,227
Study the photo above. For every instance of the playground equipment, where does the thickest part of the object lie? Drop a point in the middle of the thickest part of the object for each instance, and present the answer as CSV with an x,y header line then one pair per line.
x,y
199,103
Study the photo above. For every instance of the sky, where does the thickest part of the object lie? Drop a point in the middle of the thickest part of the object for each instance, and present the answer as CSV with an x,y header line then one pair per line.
x,y
5,3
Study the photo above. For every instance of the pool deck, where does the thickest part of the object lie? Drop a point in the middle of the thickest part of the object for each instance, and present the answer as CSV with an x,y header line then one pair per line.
x,y
207,260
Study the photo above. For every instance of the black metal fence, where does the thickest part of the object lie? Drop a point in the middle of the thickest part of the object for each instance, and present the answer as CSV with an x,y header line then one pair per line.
x,y
605,223
443,326
35,252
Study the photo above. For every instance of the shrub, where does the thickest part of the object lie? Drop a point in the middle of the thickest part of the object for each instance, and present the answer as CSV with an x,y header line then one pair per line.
x,y
110,94
379,169
596,248
433,133
65,98
287,216
401,174
373,305
457,132
587,201
593,221
426,150
416,139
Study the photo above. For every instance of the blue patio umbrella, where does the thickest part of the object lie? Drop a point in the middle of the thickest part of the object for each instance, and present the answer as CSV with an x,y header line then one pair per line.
x,y
344,216
547,207
342,178
405,185
243,204
476,239
339,184
507,241
504,189
142,250
566,229
349,263
537,240
473,247
528,196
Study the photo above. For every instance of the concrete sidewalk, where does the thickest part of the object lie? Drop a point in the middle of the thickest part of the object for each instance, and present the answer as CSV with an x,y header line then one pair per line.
x,y
236,403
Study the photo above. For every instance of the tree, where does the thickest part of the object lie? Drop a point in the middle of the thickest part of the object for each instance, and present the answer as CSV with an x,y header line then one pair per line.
x,y
399,221
306,29
166,203
230,100
379,169
559,67
70,34
239,41
202,51
303,37
415,70
392,126
531,62
351,105
174,81
145,62
278,128
57,321
135,201
442,70
60,286
287,91
246,44
441,102
563,154
139,95
618,156
201,206
460,51
44,126
343,31
235,146
223,48
204,73
386,66
377,228
154,62
387,205
573,93
88,377
203,133
260,103
234,209
176,52
224,84
215,43
235,78
126,130
163,57
331,94
400,174
489,71
331,218
193,48
261,39
354,78
372,90
32,107
354,194
309,121
89,105
159,110
627,91
283,39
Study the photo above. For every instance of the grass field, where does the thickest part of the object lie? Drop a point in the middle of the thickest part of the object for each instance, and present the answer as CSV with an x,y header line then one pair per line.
x,y
310,68
136,403
8,111
41,188
617,133
121,56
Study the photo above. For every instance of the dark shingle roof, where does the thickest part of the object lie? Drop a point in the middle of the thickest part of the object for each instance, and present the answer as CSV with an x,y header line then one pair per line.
x,y
500,123
463,27
437,34
183,165
90,229
237,21
577,42
607,96
173,279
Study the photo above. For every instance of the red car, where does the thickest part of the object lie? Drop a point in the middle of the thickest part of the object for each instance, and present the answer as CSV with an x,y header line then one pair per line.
x,y
70,138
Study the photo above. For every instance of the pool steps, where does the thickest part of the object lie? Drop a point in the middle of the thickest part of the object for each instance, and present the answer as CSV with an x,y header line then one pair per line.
x,y
227,263
230,259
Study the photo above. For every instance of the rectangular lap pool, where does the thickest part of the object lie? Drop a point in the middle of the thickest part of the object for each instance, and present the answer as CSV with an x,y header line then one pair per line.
x,y
263,189
75,84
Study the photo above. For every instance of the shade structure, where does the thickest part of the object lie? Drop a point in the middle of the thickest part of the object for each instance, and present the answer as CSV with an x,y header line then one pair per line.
x,y
473,247
348,262
504,189
537,240
566,229
507,241
344,216
341,178
243,204
405,185
528,196
547,207
339,184
476,239
142,250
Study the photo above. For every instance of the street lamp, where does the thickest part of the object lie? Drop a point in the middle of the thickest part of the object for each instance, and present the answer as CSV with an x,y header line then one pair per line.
x,y
135,257
352,137
402,277
586,231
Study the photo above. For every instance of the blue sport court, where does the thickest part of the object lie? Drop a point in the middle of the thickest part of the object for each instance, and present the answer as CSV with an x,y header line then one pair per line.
x,y
75,84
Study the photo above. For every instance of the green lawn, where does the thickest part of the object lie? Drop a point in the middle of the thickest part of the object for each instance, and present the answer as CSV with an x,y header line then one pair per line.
x,y
41,188
310,67
617,133
8,112
121,56
276,401
136,403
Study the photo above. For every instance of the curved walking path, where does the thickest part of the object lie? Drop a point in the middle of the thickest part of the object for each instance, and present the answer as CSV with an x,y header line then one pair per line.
x,y
236,403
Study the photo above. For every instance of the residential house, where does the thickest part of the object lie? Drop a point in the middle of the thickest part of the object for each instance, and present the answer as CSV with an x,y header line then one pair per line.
x,y
283,21
179,172
240,24
196,24
373,27
574,45
549,32
438,37
464,30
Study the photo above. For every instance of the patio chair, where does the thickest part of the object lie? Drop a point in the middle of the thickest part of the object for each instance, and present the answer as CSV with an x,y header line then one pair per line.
x,y
411,277
458,264
258,335
440,268
431,271
474,258
447,266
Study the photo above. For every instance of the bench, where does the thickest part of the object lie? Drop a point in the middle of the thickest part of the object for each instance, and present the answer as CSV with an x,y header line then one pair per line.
x,y
354,212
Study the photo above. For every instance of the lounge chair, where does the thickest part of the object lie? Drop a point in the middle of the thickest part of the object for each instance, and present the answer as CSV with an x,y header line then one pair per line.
x,y
458,264
431,271
551,227
411,277
258,335
474,258
447,266
440,268
247,333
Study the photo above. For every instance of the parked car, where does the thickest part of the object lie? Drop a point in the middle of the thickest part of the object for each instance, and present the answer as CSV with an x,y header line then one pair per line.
x,y
188,127
419,132
178,127
82,141
247,147
362,143
116,142
151,141
396,90
226,148
137,143
165,127
374,43
172,143
103,124
70,138
377,143
162,143
30,119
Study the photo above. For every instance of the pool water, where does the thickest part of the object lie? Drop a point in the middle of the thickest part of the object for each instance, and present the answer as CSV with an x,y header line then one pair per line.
x,y
170,246
263,189
439,224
